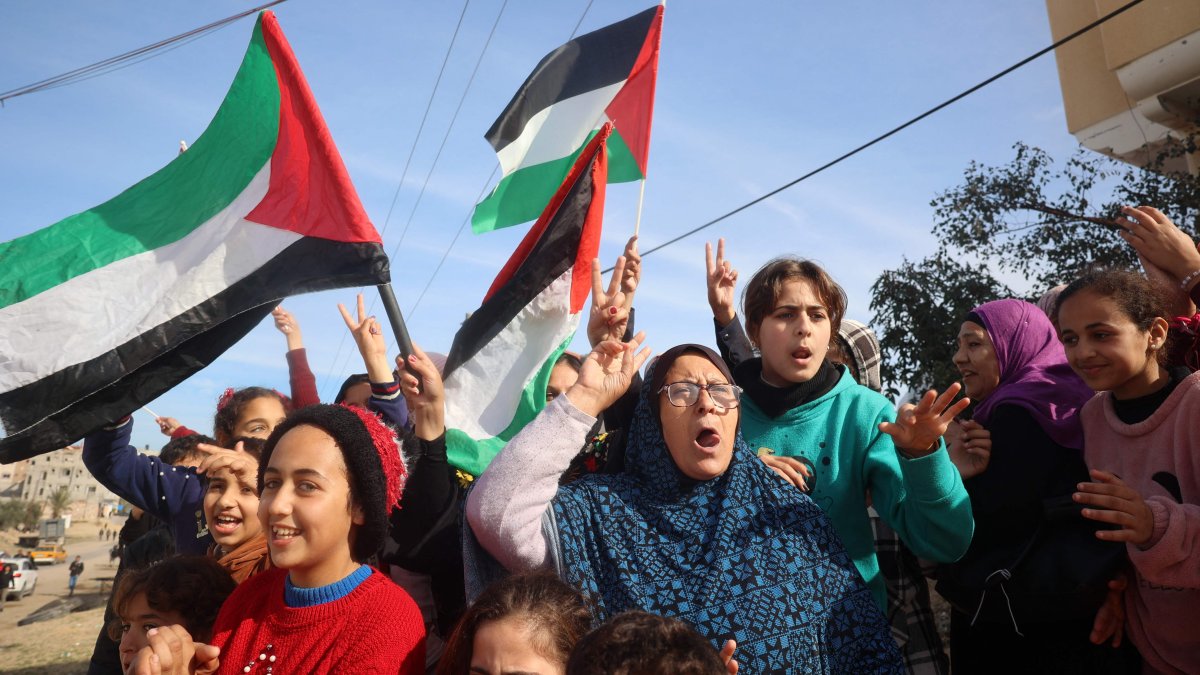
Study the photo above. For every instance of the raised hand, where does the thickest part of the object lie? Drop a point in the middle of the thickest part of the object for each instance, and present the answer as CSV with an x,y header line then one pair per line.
x,y
167,425
606,374
633,269
970,447
286,323
368,335
610,309
426,396
240,463
1159,241
1118,504
731,665
917,428
722,280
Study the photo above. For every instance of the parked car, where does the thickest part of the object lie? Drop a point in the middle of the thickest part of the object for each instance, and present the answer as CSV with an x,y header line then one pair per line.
x,y
51,553
24,579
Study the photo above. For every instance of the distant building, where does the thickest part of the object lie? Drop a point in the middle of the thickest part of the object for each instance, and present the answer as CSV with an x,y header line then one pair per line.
x,y
11,477
1133,83
45,474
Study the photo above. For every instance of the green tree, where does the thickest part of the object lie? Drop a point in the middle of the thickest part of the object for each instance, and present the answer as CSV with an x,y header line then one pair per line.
x,y
1016,230
60,499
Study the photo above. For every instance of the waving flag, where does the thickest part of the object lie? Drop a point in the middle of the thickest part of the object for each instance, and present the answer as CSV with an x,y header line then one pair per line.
x,y
500,362
605,76
109,308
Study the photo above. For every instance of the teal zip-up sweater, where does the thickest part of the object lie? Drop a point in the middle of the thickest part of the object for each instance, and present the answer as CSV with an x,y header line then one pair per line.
x,y
922,499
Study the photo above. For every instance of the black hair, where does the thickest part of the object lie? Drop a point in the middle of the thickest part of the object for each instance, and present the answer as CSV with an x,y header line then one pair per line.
x,y
641,643
570,360
179,449
229,410
355,379
193,586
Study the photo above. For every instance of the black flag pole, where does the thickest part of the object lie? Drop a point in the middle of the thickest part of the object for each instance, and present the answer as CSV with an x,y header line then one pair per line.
x,y
397,320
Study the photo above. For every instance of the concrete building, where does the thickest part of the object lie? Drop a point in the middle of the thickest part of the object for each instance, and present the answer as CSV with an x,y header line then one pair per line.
x,y
1132,84
11,477
45,474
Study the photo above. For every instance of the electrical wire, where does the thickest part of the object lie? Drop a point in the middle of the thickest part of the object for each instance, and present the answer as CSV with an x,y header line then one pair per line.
x,y
114,63
895,130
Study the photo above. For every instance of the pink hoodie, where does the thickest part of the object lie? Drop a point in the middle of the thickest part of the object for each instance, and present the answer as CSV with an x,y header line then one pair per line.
x,y
1160,458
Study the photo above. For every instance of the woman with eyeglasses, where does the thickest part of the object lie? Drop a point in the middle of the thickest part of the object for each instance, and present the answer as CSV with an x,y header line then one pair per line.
x,y
695,526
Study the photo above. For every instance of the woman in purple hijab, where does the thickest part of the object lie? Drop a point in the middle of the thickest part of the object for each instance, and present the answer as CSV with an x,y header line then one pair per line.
x,y
1026,593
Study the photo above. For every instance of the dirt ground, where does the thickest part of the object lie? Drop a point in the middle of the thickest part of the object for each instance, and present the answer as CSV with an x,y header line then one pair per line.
x,y
63,645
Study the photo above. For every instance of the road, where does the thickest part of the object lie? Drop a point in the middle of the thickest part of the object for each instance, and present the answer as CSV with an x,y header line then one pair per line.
x,y
83,541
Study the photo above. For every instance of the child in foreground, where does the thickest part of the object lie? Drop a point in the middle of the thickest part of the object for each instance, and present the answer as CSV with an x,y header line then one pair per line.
x,y
329,477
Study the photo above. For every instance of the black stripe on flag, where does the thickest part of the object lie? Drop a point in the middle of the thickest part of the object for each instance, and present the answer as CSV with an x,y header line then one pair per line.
x,y
589,62
61,408
552,255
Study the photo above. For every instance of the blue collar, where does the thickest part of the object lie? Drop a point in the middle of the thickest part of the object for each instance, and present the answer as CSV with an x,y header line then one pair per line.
x,y
295,596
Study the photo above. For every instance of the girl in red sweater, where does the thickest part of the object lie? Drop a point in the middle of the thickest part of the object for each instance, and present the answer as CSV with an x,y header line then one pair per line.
x,y
329,477
1142,444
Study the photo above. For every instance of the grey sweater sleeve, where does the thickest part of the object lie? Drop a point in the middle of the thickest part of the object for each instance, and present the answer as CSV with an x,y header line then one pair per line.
x,y
506,506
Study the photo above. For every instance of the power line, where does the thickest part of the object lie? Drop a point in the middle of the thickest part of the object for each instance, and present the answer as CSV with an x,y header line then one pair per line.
x,y
437,83
483,191
129,58
897,129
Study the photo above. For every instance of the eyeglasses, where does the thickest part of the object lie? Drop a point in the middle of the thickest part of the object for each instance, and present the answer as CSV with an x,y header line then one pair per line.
x,y
685,394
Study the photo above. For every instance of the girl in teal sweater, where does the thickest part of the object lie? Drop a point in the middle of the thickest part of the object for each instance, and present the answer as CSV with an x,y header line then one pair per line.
x,y
831,437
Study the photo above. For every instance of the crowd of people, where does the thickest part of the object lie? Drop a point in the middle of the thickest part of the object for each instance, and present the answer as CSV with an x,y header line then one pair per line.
x,y
759,507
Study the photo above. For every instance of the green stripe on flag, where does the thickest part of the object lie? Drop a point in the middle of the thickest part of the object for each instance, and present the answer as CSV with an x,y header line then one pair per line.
x,y
166,206
522,195
474,455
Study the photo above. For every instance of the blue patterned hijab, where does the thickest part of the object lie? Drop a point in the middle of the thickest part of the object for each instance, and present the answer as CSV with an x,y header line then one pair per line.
x,y
743,556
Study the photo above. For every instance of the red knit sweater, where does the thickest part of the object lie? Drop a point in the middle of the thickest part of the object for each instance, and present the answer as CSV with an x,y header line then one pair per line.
x,y
377,628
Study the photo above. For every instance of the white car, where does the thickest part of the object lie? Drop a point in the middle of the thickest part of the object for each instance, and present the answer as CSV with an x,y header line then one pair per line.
x,y
24,579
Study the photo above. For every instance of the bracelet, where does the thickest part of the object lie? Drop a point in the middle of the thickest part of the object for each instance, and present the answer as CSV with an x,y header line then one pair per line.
x,y
1183,285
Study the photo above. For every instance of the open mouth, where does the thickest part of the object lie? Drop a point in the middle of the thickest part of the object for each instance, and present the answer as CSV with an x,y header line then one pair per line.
x,y
708,438
225,524
802,353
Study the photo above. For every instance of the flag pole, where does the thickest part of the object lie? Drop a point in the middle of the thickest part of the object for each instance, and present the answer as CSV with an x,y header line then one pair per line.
x,y
397,320
637,225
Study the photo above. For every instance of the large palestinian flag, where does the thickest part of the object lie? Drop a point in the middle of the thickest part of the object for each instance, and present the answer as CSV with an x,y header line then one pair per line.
x,y
605,76
500,362
109,308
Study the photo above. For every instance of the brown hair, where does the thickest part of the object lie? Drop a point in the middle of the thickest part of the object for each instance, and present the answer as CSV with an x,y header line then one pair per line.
x,y
761,294
640,643
1138,298
554,613
229,409
194,586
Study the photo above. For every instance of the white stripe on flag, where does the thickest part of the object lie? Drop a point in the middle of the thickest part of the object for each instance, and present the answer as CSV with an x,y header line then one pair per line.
x,y
57,328
558,130
482,394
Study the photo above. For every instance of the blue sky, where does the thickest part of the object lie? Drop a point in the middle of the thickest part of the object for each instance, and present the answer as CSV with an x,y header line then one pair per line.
x,y
749,97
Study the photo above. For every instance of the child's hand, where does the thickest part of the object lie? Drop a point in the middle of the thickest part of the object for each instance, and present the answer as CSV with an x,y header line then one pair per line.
x,y
722,280
240,463
970,448
368,334
790,469
731,666
1110,618
917,428
286,323
1119,504
173,652
426,398
633,269
168,425
610,310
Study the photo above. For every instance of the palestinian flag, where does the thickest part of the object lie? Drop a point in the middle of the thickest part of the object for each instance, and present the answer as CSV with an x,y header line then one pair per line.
x,y
500,362
109,308
604,76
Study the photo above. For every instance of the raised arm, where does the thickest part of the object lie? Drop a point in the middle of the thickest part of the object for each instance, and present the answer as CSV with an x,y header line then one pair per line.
x,y
144,481
303,382
372,345
506,506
